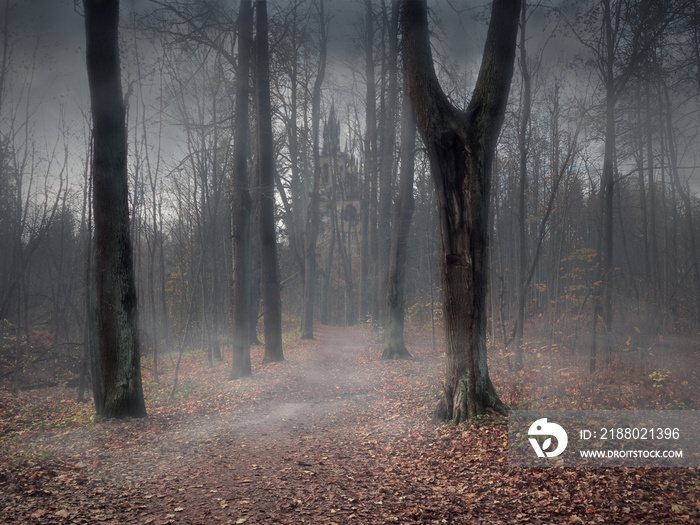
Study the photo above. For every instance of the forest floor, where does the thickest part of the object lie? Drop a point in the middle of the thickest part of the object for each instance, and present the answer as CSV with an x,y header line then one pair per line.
x,y
331,435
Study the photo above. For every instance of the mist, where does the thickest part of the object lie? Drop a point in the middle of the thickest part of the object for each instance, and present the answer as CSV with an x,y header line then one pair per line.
x,y
295,332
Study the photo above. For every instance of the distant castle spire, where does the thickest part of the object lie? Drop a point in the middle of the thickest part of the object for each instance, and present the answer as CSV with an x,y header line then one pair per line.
x,y
331,134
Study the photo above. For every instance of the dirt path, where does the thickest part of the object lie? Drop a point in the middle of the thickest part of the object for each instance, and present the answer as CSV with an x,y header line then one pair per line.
x,y
333,435
287,454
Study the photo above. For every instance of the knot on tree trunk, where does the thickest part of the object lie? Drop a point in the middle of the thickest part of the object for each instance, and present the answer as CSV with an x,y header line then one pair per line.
x,y
458,259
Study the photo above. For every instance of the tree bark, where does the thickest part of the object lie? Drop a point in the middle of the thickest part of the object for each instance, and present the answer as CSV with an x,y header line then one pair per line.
x,y
521,267
241,202
394,345
386,182
266,158
117,381
608,187
370,173
461,150
313,219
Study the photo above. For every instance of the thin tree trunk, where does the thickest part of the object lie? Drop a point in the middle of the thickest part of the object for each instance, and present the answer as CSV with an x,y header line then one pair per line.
x,y
89,328
327,280
386,189
163,298
654,277
608,187
313,220
521,267
642,191
269,275
370,169
255,268
344,255
394,345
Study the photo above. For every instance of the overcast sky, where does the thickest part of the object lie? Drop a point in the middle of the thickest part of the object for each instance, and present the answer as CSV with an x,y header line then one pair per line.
x,y
53,30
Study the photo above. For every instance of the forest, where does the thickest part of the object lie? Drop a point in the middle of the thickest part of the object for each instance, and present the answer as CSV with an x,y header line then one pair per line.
x,y
294,261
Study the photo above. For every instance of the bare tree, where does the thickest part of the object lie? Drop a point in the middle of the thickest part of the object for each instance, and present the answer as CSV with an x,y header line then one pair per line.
x,y
266,177
313,218
394,346
461,148
386,176
626,33
369,197
116,370
240,201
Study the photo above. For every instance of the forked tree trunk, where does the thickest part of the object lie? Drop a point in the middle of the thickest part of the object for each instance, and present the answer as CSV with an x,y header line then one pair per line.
x,y
461,147
117,371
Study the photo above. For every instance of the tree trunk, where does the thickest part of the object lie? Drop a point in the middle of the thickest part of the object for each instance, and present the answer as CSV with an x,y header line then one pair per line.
x,y
521,267
608,181
386,182
327,280
255,270
118,390
266,164
344,256
461,149
370,172
603,295
89,329
313,219
655,278
394,346
240,202
642,190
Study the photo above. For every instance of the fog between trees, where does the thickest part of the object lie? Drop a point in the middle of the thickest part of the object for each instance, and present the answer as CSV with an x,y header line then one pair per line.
x,y
292,186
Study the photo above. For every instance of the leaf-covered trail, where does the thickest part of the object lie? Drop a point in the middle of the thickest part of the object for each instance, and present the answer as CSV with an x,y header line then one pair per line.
x,y
332,435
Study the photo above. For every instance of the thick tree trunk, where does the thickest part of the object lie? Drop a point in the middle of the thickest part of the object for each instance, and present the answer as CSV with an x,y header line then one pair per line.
x,y
241,203
266,176
394,345
117,377
461,149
